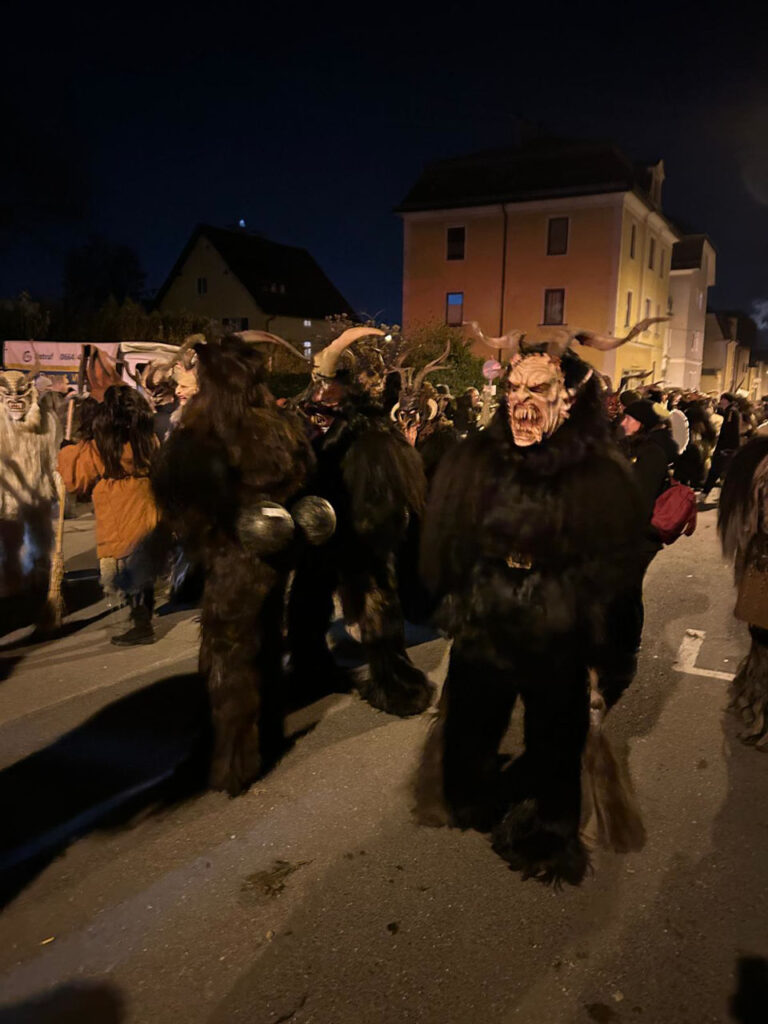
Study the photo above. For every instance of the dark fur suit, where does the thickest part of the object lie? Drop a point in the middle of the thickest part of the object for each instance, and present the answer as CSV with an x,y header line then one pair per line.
x,y
234,450
375,481
532,552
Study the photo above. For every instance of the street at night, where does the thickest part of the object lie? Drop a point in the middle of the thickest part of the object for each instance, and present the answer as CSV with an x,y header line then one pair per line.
x,y
314,897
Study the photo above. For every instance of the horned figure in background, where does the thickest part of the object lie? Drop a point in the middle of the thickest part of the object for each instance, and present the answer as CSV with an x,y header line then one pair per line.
x,y
29,443
539,582
375,482
415,408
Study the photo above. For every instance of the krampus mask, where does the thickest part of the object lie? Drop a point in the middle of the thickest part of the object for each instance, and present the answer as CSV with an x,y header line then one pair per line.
x,y
18,397
329,385
539,397
415,408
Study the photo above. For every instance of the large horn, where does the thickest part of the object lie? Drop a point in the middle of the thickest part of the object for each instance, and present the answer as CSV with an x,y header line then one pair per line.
x,y
419,379
264,337
605,343
325,361
510,341
36,366
393,412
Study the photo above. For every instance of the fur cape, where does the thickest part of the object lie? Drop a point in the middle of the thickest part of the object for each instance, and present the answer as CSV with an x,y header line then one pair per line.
x,y
743,507
522,545
28,453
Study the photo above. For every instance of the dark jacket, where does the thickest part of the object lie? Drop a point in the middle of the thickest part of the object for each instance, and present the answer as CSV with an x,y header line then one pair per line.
x,y
650,453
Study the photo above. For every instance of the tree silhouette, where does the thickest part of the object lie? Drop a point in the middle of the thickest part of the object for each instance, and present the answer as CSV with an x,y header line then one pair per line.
x,y
100,270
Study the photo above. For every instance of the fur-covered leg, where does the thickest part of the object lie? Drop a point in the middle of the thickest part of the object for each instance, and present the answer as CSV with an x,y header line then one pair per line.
x,y
394,684
310,609
234,655
749,691
475,707
540,835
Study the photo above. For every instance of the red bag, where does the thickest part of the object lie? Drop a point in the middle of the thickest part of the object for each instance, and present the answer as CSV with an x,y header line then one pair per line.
x,y
674,512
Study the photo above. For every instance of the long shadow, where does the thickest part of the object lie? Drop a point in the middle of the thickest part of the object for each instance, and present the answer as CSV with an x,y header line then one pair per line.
x,y
79,590
149,749
77,1003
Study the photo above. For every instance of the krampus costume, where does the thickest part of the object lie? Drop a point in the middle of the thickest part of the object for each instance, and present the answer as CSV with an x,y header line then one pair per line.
x,y
530,543
419,418
29,443
375,482
742,522
221,481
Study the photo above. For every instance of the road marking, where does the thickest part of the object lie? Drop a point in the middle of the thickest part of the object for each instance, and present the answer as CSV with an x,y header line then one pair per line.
x,y
689,652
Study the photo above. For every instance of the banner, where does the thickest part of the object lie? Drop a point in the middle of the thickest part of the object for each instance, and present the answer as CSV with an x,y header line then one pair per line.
x,y
54,356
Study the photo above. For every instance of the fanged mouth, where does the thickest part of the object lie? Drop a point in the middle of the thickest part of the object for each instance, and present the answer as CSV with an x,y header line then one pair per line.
x,y
526,416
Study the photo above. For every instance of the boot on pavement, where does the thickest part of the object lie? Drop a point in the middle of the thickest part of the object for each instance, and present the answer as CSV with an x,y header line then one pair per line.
x,y
140,631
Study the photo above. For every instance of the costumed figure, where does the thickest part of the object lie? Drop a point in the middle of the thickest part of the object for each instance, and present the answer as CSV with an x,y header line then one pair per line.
x,y
530,544
375,482
222,481
419,416
742,522
29,443
169,382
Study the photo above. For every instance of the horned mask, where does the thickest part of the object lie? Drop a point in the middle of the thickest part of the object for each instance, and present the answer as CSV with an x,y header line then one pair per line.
x,y
538,400
19,396
416,408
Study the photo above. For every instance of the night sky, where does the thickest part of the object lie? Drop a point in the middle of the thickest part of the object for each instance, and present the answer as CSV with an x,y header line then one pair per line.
x,y
138,122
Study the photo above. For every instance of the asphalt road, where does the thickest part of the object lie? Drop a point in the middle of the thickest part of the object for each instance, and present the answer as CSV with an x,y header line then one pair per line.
x,y
314,898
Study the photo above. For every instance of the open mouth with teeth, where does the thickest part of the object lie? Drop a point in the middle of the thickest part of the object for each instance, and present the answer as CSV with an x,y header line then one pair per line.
x,y
16,410
525,421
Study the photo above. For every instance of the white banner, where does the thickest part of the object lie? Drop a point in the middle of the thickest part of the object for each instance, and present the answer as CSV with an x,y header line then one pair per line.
x,y
56,356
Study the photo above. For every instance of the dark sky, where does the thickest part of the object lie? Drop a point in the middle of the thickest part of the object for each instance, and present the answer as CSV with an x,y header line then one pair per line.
x,y
312,124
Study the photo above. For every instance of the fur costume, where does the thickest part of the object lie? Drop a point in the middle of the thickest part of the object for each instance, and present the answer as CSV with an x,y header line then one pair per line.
x,y
29,442
530,544
419,417
375,482
218,480
743,526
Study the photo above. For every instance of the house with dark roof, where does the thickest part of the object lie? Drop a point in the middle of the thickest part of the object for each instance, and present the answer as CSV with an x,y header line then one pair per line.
x,y
248,282
731,360
691,274
553,232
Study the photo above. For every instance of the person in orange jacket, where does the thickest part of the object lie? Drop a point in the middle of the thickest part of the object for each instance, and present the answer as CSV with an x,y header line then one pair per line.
x,y
116,464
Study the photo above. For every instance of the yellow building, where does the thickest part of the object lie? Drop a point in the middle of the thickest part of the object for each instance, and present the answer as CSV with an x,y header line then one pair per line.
x,y
247,282
550,234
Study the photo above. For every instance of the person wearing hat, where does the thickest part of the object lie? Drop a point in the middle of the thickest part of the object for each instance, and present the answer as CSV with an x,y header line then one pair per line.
x,y
650,448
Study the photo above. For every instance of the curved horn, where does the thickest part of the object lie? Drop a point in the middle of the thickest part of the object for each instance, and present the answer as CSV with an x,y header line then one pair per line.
x,y
393,412
510,341
604,343
325,361
432,406
264,337
36,366
419,379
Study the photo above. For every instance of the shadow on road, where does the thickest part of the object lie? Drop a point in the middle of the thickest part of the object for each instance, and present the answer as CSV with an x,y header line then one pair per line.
x,y
149,749
69,1004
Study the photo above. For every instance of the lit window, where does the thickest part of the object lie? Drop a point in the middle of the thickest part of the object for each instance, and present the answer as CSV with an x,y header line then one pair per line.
x,y
554,305
652,254
557,236
454,309
628,313
307,348
202,285
454,243
307,323
632,242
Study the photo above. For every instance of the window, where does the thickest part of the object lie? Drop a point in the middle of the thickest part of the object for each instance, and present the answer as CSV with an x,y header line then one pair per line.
x,y
632,241
307,323
647,308
454,243
243,323
652,254
557,236
656,326
454,309
628,313
202,286
307,349
554,305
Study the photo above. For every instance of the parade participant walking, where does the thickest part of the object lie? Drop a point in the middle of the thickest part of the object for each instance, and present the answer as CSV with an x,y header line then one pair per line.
x,y
743,527
116,464
728,441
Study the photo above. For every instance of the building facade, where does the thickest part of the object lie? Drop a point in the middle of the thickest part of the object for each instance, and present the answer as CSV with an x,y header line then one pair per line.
x,y
247,282
728,362
554,234
692,274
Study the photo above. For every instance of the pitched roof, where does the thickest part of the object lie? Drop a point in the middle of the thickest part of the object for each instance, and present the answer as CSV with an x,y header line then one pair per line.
x,y
541,169
687,254
737,325
283,280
